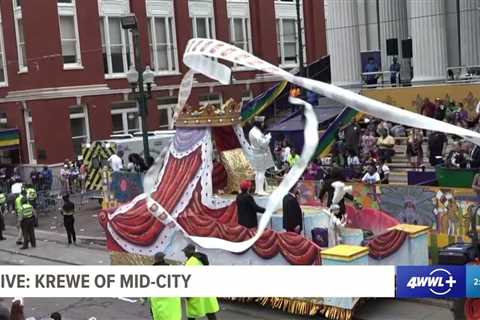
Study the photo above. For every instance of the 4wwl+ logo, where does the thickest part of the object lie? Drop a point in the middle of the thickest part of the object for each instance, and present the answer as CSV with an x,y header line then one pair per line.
x,y
440,282
434,282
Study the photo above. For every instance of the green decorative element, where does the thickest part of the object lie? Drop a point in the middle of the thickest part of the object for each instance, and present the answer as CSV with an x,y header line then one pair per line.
x,y
261,102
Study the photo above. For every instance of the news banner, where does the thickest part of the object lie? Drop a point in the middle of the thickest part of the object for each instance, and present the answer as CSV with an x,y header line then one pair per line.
x,y
241,281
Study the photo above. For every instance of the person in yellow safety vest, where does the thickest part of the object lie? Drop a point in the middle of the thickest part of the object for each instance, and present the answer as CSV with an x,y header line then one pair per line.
x,y
28,230
3,210
18,206
165,308
293,158
199,307
32,199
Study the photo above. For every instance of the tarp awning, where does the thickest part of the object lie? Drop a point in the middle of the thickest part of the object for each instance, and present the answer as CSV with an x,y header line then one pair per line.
x,y
295,121
9,138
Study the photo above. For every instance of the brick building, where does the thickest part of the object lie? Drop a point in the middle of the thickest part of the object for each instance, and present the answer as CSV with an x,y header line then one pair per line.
x,y
63,63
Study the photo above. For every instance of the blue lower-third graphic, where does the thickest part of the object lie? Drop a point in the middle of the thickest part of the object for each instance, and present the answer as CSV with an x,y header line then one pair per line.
x,y
431,281
473,281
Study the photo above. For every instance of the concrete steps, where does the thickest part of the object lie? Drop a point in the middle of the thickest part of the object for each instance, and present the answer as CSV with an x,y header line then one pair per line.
x,y
400,164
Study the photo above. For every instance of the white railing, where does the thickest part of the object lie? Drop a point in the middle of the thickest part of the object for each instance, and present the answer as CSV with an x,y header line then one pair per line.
x,y
463,74
383,76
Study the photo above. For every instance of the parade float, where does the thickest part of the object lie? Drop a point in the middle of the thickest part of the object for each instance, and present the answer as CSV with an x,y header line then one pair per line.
x,y
188,197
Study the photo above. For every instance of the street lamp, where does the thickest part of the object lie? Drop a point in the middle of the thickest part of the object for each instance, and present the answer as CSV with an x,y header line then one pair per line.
x,y
301,66
137,77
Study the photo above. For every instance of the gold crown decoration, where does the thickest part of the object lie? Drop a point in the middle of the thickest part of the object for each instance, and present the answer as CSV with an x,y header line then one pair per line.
x,y
209,115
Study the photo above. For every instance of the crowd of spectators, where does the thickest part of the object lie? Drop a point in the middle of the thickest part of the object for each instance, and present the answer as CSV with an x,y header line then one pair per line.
x,y
363,149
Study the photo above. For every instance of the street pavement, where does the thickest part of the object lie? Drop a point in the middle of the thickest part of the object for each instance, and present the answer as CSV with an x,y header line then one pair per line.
x,y
53,250
86,219
116,309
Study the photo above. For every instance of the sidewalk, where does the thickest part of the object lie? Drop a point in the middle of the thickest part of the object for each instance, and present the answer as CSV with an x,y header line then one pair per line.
x,y
53,247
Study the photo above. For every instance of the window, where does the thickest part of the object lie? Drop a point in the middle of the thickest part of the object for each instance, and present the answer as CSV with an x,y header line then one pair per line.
x,y
166,106
116,42
116,46
239,22
239,33
79,127
30,136
162,36
202,27
287,33
287,41
21,50
3,65
246,97
201,13
125,118
69,33
211,99
162,44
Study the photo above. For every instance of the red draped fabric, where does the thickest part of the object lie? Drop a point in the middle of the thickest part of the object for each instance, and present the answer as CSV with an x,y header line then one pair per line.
x,y
226,215
293,247
219,177
386,244
370,219
137,225
225,138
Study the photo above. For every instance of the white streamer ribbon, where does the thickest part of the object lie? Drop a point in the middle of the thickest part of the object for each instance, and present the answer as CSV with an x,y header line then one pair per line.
x,y
198,56
220,50
184,92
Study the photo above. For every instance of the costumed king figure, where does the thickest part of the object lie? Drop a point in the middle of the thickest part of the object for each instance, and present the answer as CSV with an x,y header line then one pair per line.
x,y
262,157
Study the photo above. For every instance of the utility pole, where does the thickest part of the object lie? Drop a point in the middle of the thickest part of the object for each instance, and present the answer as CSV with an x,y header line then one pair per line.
x,y
301,63
141,97
137,78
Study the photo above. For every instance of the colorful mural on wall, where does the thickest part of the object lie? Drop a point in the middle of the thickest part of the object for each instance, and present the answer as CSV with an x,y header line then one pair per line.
x,y
446,210
411,98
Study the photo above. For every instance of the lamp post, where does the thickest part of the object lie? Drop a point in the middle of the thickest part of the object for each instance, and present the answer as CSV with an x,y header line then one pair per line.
x,y
301,69
137,77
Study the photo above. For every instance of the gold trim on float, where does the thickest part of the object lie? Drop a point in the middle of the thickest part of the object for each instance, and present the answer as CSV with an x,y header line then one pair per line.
x,y
344,252
298,306
412,230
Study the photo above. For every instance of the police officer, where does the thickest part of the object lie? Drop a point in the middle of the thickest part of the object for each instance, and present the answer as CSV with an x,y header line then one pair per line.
x,y
18,206
32,199
199,307
165,308
27,223
3,211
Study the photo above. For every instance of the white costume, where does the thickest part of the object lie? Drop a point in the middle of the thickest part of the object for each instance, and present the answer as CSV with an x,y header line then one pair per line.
x,y
261,157
340,191
334,226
